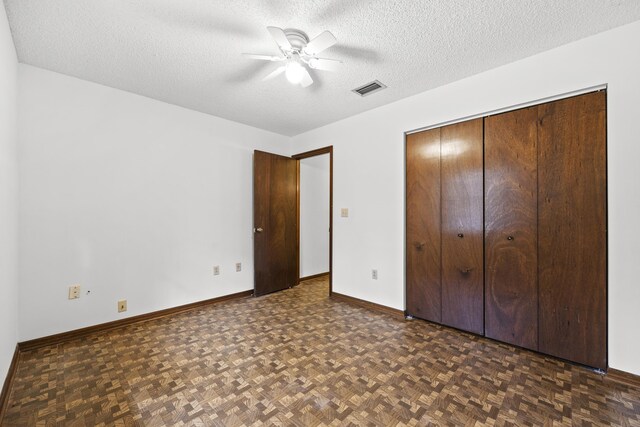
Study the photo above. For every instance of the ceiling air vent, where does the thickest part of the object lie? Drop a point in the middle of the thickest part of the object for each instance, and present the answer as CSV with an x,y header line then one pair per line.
x,y
369,88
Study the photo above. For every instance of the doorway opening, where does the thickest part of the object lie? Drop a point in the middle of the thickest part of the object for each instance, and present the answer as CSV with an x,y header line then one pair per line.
x,y
315,219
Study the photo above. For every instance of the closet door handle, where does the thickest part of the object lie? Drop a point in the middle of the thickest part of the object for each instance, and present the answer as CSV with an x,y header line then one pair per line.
x,y
460,235
465,270
420,245
509,237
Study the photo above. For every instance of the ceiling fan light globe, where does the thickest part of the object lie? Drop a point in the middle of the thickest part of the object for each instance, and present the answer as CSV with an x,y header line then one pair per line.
x,y
294,72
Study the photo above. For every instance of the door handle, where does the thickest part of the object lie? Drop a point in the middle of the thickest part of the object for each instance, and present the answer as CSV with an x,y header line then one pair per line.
x,y
420,245
257,230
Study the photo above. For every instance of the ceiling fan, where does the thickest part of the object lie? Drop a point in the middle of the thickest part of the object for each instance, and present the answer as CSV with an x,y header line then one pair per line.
x,y
298,52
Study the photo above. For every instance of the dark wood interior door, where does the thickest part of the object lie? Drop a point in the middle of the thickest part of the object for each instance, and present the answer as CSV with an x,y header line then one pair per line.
x,y
572,229
423,225
461,148
511,241
275,215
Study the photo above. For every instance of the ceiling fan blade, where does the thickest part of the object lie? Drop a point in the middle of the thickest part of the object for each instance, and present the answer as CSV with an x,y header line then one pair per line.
x,y
320,43
306,78
264,57
280,37
274,73
324,64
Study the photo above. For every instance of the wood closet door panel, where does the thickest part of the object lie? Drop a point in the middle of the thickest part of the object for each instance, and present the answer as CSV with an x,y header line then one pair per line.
x,y
423,225
571,227
462,226
511,246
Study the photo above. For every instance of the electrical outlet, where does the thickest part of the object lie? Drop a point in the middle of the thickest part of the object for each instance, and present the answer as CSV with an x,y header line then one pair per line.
x,y
122,305
74,292
344,212
216,270
374,274
238,266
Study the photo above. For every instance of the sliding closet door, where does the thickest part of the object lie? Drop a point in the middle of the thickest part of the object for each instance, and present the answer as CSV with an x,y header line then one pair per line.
x,y
572,234
511,262
423,225
462,226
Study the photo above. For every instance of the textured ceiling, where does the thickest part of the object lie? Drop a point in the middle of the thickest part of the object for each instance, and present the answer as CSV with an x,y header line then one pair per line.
x,y
188,52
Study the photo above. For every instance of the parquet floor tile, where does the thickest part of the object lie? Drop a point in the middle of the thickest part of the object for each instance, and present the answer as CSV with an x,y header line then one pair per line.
x,y
298,358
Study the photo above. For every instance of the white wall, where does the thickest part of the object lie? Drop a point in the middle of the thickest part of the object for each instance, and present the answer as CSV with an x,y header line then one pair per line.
x,y
8,198
131,198
314,215
369,170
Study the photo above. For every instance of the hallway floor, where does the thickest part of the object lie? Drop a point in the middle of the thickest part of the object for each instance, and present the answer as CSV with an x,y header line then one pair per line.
x,y
299,358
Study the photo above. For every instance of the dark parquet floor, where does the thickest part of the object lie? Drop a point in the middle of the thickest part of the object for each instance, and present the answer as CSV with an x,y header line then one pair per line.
x,y
299,358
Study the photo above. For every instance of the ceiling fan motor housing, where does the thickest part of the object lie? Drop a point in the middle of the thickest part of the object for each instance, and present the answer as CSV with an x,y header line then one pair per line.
x,y
297,38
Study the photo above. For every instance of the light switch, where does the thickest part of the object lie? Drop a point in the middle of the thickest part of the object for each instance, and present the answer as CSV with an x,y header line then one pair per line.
x,y
344,212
